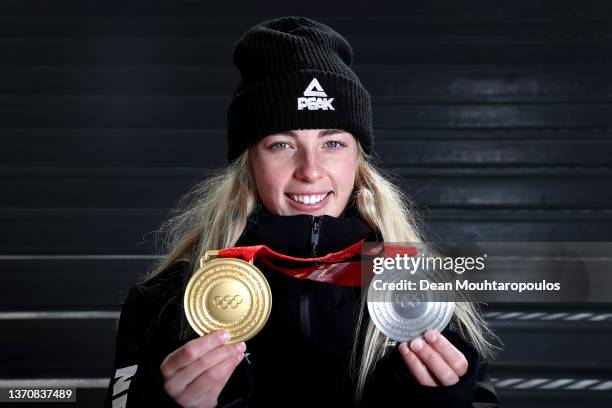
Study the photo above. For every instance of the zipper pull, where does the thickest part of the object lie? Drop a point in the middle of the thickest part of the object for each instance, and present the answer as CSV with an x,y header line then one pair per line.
x,y
314,236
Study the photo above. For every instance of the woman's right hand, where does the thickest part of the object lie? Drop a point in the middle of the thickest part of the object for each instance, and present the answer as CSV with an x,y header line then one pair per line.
x,y
195,373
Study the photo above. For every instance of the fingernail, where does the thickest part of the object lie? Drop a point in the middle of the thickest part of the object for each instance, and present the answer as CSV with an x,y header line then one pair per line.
x,y
240,347
431,335
416,344
224,335
403,348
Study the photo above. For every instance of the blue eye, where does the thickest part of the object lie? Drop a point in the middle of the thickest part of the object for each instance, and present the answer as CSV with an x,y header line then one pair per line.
x,y
278,143
337,144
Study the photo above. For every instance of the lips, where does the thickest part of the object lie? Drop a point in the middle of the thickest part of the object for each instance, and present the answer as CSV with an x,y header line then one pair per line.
x,y
308,199
309,202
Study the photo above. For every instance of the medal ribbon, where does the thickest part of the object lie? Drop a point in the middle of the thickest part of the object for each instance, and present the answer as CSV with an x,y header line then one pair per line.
x,y
331,268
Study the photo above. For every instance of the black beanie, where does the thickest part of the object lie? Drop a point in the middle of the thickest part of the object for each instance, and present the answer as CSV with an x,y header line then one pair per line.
x,y
295,75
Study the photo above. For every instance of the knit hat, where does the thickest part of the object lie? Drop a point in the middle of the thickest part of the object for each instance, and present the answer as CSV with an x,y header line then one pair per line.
x,y
295,75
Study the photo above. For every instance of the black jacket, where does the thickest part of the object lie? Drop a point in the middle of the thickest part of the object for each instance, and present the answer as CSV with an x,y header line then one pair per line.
x,y
300,358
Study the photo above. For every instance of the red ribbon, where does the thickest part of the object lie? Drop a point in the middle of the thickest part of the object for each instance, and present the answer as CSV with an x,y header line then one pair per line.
x,y
248,253
332,268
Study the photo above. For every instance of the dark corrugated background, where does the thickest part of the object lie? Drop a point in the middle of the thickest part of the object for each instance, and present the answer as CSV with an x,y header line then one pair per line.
x,y
497,116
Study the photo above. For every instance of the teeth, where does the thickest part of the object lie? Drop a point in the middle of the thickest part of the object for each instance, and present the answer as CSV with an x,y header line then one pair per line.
x,y
308,199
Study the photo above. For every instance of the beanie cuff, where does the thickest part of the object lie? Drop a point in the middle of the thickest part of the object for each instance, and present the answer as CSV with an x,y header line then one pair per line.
x,y
279,104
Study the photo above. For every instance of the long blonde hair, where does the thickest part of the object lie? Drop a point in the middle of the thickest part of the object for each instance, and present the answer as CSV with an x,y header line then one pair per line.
x,y
214,213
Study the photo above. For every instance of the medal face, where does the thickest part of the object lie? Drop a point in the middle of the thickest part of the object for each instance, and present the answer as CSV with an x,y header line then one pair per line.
x,y
403,315
228,294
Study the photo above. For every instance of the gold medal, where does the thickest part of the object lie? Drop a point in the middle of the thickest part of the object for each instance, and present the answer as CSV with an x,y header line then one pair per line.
x,y
227,294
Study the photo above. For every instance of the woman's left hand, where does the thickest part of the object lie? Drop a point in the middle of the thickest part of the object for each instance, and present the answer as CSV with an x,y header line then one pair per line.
x,y
435,361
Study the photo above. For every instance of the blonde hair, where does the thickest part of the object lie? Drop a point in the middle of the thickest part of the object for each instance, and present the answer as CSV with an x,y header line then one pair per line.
x,y
214,213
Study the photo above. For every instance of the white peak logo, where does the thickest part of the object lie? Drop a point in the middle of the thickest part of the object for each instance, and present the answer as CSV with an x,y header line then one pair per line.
x,y
314,98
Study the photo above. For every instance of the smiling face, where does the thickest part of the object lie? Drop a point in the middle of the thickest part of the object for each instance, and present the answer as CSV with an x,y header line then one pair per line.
x,y
306,171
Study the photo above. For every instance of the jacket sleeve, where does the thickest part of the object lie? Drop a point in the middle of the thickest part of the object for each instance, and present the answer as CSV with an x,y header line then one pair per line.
x,y
136,380
392,383
143,341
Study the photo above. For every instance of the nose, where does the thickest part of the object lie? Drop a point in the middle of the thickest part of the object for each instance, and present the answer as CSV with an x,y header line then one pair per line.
x,y
308,167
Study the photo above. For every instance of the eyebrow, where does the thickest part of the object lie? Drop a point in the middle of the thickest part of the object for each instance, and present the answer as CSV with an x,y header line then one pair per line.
x,y
323,132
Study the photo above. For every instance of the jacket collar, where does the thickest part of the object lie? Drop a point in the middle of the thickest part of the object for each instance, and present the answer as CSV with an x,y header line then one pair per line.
x,y
304,235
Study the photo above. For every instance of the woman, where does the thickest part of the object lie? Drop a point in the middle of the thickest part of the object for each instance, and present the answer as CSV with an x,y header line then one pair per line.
x,y
300,180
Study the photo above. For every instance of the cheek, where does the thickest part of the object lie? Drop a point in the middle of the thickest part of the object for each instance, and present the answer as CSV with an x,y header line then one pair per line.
x,y
269,181
346,177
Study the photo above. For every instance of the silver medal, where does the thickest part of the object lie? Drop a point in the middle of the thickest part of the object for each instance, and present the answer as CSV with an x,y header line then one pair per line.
x,y
402,314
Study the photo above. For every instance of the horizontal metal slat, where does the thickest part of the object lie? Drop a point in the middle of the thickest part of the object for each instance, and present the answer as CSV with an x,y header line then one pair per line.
x,y
116,187
121,231
208,112
368,49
